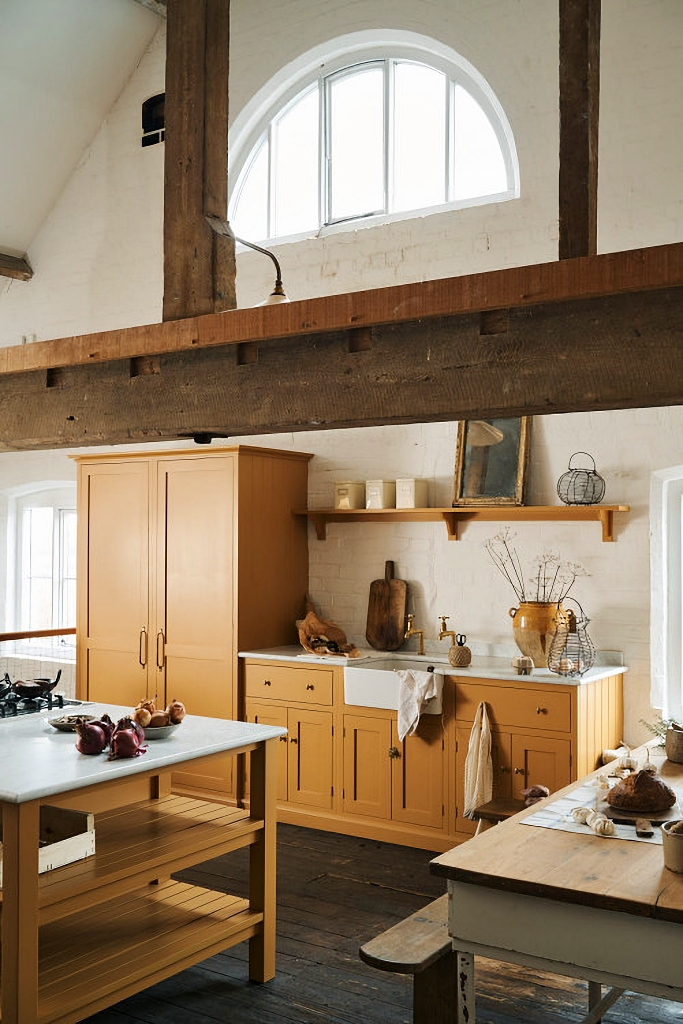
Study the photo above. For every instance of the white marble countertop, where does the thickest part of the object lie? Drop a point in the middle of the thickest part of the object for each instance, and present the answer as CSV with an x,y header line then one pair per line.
x,y
36,760
485,666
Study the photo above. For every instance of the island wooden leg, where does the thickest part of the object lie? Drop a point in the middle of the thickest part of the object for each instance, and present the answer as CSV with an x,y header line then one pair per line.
x,y
465,1010
19,980
263,785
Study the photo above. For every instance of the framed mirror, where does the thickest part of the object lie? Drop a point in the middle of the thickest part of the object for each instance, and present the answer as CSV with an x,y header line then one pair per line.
x,y
491,461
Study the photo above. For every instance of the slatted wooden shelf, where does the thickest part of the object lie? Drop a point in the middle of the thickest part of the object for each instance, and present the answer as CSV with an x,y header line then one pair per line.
x,y
454,516
137,844
87,960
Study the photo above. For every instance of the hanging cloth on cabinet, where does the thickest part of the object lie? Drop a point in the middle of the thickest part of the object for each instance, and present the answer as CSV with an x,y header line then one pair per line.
x,y
478,764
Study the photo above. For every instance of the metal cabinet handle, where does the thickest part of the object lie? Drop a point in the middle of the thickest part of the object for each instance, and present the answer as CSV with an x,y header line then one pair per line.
x,y
541,711
293,740
266,682
519,771
142,648
310,686
394,753
504,768
162,662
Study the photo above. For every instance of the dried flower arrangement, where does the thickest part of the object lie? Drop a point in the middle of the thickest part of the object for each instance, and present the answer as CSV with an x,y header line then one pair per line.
x,y
551,581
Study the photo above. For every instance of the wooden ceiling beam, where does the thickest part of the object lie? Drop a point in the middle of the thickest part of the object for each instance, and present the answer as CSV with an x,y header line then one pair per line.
x,y
610,274
614,352
579,99
16,267
199,265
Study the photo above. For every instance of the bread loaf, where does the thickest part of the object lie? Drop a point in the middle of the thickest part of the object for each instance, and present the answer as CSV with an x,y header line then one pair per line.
x,y
642,791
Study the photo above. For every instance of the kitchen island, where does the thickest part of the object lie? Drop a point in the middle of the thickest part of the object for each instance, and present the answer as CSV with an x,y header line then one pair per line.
x,y
86,935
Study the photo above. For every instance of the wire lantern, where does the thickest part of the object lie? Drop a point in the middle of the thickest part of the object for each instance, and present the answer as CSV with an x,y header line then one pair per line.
x,y
579,485
571,651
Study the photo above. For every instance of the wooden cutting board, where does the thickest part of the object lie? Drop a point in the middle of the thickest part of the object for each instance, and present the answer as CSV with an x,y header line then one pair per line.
x,y
387,605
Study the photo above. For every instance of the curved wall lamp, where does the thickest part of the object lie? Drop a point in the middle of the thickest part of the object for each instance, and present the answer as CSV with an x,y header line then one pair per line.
x,y
222,227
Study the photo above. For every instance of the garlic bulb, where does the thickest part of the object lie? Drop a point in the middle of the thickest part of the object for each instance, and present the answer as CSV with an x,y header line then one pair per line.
x,y
598,823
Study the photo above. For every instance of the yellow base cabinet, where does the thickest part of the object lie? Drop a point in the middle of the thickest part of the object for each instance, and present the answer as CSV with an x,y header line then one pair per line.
x,y
344,769
546,734
183,558
300,699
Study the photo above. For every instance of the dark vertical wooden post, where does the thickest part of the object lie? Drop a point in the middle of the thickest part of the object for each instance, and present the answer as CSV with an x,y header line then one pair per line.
x,y
579,111
199,265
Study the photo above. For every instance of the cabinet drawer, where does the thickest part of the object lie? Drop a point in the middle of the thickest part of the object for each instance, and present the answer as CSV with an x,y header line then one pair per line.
x,y
295,685
526,708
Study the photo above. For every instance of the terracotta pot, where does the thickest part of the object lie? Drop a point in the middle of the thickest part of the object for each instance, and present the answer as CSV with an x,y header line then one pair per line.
x,y
673,744
533,627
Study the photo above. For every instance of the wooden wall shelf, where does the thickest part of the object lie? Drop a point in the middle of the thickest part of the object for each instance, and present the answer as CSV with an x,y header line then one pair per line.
x,y
454,516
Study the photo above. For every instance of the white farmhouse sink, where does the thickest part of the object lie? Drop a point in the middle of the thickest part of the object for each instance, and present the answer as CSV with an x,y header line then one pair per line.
x,y
375,683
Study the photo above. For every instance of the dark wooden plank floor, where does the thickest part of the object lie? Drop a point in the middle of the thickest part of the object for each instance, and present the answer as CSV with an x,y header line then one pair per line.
x,y
334,893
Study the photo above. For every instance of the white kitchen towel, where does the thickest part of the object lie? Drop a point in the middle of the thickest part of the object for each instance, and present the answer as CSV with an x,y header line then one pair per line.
x,y
478,764
414,690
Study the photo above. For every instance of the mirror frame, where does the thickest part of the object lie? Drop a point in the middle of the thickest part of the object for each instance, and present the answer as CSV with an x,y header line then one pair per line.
x,y
514,494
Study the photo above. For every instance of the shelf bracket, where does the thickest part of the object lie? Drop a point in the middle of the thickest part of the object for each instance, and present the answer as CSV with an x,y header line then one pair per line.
x,y
451,521
607,520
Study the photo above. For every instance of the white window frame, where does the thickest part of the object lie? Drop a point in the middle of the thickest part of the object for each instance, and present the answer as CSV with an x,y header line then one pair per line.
x,y
61,497
666,604
253,121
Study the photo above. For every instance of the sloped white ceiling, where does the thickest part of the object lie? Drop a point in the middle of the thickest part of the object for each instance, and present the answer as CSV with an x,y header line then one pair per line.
x,y
62,65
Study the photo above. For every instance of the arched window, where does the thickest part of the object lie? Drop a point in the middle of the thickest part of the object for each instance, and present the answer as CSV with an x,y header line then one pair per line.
x,y
377,130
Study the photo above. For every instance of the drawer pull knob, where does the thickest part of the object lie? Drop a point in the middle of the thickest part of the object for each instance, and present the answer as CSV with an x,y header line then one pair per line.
x,y
283,739
266,682
294,740
310,686
394,753
519,771
541,711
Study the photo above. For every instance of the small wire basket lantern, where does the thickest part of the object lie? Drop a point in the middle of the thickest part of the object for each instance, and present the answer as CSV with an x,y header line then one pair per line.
x,y
579,485
571,651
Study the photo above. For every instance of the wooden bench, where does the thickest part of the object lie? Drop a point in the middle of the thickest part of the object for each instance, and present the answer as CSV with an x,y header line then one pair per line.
x,y
420,945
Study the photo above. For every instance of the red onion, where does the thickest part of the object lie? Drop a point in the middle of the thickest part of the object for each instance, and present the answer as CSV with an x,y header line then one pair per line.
x,y
92,738
106,725
130,723
125,743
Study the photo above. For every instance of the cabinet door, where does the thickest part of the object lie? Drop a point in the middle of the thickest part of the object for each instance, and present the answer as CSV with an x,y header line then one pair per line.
x,y
537,761
192,646
273,714
418,775
367,766
113,592
309,758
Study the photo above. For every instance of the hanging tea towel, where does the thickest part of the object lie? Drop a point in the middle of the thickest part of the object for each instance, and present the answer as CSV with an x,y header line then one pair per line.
x,y
478,764
414,690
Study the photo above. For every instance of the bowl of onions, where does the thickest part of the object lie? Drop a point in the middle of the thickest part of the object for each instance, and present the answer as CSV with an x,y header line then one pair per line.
x,y
158,724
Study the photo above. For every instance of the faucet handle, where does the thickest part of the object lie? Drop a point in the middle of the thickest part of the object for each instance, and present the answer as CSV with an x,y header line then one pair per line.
x,y
444,619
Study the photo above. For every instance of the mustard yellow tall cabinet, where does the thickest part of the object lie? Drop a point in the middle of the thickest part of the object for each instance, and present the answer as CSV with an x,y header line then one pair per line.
x,y
184,558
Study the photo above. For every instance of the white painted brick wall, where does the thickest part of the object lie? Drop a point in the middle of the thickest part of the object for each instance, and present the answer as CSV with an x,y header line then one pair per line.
x,y
98,265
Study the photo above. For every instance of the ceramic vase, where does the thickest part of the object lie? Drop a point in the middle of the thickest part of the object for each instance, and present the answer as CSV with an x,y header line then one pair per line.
x,y
534,623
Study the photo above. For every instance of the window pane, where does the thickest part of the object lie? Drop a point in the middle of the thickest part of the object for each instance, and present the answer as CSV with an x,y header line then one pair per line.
x,y
36,568
297,163
479,165
356,143
419,137
66,594
250,211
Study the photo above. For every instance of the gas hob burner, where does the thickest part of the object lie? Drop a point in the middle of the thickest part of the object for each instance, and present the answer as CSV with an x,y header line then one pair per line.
x,y
13,704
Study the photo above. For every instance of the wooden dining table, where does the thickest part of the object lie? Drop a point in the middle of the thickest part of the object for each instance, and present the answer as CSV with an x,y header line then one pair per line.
x,y
572,903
